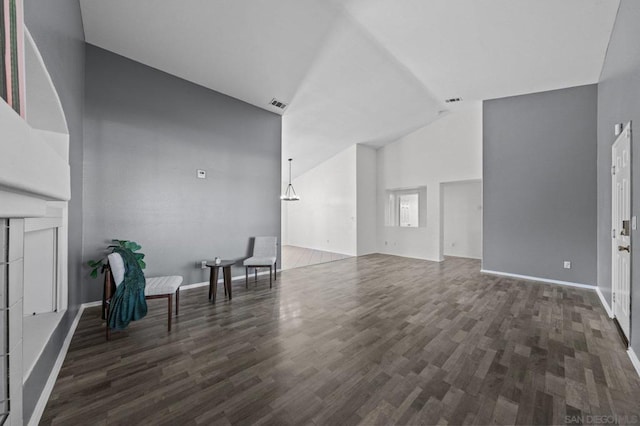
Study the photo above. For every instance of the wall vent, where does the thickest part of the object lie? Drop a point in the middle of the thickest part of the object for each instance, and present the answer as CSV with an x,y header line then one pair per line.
x,y
451,100
278,104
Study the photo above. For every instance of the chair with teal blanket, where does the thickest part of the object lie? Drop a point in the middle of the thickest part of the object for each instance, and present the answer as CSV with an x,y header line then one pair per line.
x,y
154,288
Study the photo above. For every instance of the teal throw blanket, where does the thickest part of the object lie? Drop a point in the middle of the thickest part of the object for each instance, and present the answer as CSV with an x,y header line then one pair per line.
x,y
128,303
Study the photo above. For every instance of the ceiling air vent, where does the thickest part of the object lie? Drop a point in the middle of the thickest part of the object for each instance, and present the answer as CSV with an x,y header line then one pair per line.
x,y
278,104
451,100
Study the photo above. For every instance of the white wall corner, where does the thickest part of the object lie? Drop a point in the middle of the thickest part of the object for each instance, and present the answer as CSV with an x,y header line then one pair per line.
x,y
634,360
604,303
366,204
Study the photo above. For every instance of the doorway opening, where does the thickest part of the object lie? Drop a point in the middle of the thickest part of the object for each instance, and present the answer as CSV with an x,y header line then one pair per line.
x,y
461,224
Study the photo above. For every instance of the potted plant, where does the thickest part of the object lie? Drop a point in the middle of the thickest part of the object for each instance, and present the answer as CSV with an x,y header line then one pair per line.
x,y
98,265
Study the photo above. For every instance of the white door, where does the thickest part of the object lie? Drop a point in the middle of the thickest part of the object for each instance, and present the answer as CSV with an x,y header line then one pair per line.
x,y
621,228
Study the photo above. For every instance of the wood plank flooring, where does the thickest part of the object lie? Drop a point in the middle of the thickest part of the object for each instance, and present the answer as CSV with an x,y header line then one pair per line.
x,y
296,257
368,340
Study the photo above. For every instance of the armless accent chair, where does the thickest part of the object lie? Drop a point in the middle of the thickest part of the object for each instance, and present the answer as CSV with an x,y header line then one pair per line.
x,y
265,255
155,288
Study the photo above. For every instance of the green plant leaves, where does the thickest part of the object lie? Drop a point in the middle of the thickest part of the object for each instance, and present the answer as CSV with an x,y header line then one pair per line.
x,y
132,246
94,263
129,245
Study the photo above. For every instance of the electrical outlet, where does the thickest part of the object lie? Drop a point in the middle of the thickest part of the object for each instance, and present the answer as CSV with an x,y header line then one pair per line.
x,y
203,264
567,264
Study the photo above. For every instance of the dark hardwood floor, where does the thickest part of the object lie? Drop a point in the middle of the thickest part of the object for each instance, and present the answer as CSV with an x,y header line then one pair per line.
x,y
370,340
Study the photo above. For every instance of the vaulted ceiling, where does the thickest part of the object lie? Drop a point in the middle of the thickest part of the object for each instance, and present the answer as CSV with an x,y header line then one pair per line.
x,y
359,71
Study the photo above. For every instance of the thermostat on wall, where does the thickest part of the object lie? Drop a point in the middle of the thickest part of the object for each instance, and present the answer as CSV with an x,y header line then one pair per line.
x,y
202,174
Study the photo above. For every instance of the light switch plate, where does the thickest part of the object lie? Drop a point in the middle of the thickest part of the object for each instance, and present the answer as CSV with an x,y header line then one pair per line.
x,y
617,129
634,223
202,174
567,264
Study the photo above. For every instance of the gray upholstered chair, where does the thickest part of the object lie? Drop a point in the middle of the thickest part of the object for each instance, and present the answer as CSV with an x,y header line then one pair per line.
x,y
155,288
265,255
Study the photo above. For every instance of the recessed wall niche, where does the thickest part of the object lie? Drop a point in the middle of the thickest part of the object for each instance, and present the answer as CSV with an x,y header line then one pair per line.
x,y
406,207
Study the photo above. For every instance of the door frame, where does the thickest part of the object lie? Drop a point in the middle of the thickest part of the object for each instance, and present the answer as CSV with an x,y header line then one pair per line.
x,y
443,185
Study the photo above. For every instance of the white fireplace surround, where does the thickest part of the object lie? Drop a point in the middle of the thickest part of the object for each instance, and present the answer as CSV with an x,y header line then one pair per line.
x,y
35,153
34,191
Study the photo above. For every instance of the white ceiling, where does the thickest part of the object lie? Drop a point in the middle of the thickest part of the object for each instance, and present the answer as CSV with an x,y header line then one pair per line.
x,y
359,71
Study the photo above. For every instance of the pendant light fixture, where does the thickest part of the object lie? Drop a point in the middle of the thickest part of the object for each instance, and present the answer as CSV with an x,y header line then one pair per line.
x,y
290,193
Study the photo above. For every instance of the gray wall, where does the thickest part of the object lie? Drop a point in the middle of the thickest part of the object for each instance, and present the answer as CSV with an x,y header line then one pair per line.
x,y
145,134
618,102
56,27
539,184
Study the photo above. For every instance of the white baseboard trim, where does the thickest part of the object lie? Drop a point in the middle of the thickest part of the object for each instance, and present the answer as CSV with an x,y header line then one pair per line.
x,y
221,280
634,360
430,259
544,280
53,376
194,285
604,303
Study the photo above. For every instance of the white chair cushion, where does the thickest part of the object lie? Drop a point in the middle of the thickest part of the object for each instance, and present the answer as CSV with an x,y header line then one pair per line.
x,y
117,267
259,261
162,285
154,286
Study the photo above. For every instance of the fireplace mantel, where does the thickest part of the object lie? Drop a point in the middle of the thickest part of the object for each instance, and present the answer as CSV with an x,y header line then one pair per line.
x,y
32,167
